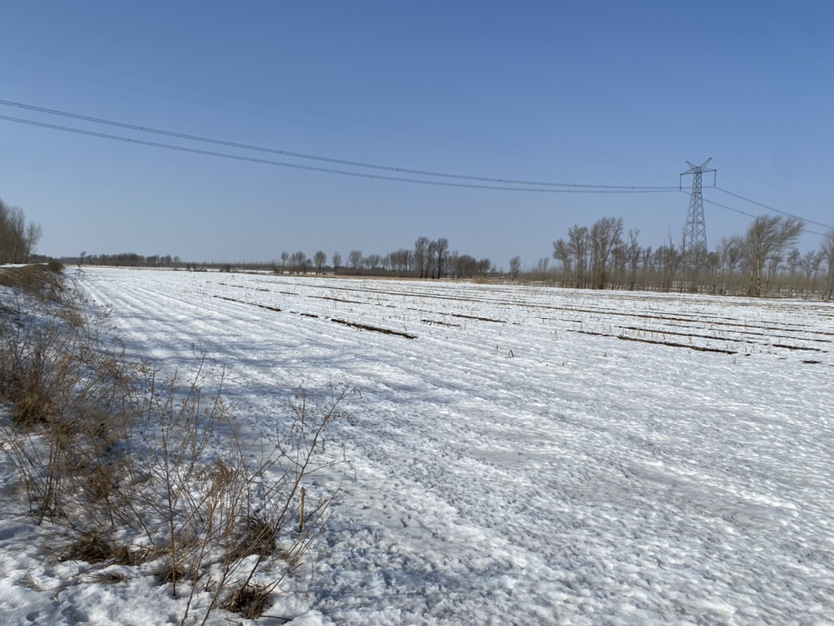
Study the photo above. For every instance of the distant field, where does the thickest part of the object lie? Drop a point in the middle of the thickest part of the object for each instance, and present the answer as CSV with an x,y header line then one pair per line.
x,y
531,455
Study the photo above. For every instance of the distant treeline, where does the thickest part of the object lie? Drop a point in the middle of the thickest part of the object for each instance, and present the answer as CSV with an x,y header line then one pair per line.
x,y
762,262
125,259
428,259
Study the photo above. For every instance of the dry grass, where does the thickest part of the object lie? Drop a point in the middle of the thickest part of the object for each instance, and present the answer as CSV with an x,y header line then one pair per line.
x,y
249,601
106,448
32,278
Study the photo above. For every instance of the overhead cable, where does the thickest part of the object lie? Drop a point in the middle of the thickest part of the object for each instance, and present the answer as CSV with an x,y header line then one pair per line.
x,y
724,206
770,208
300,155
238,157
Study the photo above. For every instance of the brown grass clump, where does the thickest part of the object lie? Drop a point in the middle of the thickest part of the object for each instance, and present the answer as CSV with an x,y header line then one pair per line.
x,y
91,547
249,601
255,536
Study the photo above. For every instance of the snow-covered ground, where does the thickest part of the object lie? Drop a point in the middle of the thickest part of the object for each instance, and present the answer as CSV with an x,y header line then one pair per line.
x,y
518,455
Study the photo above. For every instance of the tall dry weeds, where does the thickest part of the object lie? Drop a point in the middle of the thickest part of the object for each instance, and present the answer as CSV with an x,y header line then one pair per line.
x,y
141,468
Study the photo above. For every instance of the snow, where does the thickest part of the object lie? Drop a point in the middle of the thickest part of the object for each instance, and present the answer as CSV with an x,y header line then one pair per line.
x,y
531,456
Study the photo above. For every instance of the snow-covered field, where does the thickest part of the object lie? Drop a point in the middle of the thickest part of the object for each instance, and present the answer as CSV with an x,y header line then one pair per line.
x,y
518,455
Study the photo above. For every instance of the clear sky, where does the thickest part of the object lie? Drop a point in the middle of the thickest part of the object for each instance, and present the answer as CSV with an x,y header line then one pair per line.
x,y
594,92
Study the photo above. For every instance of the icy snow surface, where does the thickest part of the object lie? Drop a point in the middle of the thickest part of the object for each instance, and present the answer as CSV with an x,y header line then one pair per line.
x,y
519,455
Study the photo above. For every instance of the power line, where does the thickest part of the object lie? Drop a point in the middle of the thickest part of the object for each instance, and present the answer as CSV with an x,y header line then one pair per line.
x,y
770,208
499,184
724,206
247,159
299,155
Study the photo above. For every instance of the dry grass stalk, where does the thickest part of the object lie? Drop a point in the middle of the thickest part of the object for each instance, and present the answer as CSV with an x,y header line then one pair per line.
x,y
98,438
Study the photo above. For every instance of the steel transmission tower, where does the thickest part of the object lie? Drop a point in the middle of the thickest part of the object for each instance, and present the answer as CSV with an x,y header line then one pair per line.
x,y
695,231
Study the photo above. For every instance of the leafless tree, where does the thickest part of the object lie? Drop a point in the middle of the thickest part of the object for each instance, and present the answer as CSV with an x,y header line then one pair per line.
x,y
432,259
579,244
336,261
542,267
34,232
766,239
562,253
355,259
792,262
400,260
606,233
299,262
466,266
17,240
373,262
441,247
731,252
667,258
828,255
319,261
646,265
633,253
515,267
810,264
421,257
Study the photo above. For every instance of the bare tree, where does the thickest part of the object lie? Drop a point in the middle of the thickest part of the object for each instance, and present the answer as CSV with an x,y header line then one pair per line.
x,y
400,260
285,256
17,240
431,259
828,255
792,262
17,229
319,261
810,265
466,266
579,244
299,262
646,265
515,267
542,266
441,247
731,252
562,253
34,232
373,262
633,252
606,233
355,259
336,261
766,239
667,258
421,254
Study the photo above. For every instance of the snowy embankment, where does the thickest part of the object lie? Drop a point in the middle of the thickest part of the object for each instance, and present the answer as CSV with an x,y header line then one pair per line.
x,y
518,455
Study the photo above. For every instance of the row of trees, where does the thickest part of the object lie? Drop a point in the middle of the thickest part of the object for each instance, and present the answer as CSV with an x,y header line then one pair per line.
x,y
762,261
427,259
17,238
128,259
602,256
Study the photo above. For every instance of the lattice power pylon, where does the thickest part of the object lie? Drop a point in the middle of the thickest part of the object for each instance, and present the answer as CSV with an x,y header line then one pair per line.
x,y
695,231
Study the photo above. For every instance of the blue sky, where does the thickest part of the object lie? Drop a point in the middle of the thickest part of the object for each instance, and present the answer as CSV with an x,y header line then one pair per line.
x,y
608,93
